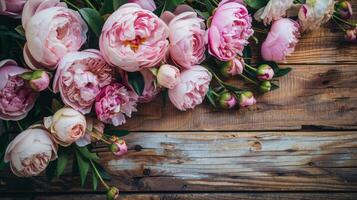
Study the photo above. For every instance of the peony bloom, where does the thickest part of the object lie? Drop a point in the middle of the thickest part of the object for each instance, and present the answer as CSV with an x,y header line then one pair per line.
x,y
227,100
187,45
51,34
168,76
230,29
233,67
40,81
12,7
265,72
94,131
246,99
16,96
114,102
150,90
344,9
192,88
34,6
274,10
146,4
315,13
66,126
30,152
118,147
281,40
133,38
80,77
112,193
351,35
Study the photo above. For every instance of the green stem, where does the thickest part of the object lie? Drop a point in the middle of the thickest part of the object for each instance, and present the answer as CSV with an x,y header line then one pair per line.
x,y
248,79
250,67
90,4
339,25
260,30
19,125
214,2
343,21
99,176
71,4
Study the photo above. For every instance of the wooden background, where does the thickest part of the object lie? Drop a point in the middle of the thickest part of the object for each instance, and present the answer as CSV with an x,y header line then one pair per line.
x,y
299,142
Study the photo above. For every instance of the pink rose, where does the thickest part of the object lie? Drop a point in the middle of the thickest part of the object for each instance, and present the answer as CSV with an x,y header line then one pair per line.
x,y
168,76
114,102
187,46
80,77
133,38
34,6
16,96
146,4
192,88
12,7
66,126
281,40
230,29
40,81
30,152
150,91
52,33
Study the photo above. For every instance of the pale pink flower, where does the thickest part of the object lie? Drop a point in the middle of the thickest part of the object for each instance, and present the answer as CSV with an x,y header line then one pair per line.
x,y
12,7
146,4
114,102
246,99
274,10
30,152
40,82
52,33
134,38
281,40
230,29
192,88
80,77
16,96
233,67
168,76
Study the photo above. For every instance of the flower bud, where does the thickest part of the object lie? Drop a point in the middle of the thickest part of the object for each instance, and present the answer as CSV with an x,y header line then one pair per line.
x,y
233,67
168,76
265,86
118,147
40,81
351,35
112,193
227,100
246,99
344,9
265,72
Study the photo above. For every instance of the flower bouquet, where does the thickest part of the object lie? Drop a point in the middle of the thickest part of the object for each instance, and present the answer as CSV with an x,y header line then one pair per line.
x,y
72,71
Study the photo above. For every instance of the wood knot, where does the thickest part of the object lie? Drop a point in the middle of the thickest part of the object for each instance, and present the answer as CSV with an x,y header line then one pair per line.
x,y
138,148
146,172
256,146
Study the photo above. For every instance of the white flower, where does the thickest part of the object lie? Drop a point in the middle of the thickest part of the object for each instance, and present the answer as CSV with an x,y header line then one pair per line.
x,y
274,10
314,13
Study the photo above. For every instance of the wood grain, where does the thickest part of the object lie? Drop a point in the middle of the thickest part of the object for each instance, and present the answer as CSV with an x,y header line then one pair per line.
x,y
311,96
221,161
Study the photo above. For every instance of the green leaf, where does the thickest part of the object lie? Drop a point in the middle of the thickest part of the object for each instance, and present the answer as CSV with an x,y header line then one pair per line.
x,y
209,6
26,76
102,172
20,30
136,80
62,161
247,54
51,170
83,166
119,133
56,105
256,4
94,20
107,7
87,154
118,3
3,165
94,180
211,97
282,72
204,15
165,96
274,87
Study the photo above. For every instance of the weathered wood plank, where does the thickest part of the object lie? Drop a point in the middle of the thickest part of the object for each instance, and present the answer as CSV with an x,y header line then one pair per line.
x,y
221,161
315,95
197,196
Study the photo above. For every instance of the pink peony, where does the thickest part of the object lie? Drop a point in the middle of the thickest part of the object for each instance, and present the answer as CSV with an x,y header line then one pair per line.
x,y
80,77
233,67
40,81
133,38
192,88
150,91
52,33
168,76
16,96
114,102
230,29
281,40
12,7
187,45
146,4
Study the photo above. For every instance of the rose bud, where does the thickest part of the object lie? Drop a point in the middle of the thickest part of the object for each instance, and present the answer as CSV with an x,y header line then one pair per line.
x,y
227,100
16,96
233,67
118,147
12,7
265,86
351,35
265,72
145,4
168,76
246,99
66,126
112,193
344,9
30,152
40,80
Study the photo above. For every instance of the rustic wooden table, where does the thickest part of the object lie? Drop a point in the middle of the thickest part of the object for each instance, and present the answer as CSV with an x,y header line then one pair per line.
x,y
299,142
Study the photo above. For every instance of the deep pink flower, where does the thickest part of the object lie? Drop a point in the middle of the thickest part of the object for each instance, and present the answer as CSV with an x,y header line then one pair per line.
x,y
281,40
16,96
114,102
230,29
